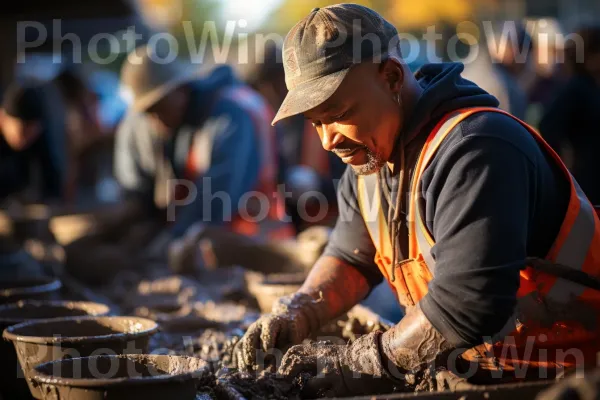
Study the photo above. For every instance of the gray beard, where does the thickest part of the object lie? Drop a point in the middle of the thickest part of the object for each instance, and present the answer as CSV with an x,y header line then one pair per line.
x,y
372,166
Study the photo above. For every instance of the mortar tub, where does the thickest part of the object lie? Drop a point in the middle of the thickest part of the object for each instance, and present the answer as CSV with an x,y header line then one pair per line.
x,y
25,289
12,314
268,288
117,377
41,341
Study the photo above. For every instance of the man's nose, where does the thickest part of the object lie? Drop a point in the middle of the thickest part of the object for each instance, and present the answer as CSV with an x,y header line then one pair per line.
x,y
330,138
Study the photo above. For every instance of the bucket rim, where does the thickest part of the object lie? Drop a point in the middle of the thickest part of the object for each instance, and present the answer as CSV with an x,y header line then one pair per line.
x,y
39,286
12,332
40,377
98,309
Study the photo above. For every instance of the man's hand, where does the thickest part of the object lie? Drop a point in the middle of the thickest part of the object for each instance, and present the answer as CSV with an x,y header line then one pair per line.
x,y
337,285
292,320
410,355
340,370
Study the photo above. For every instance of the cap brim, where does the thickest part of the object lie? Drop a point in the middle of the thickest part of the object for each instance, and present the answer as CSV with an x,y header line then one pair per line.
x,y
146,101
143,103
309,95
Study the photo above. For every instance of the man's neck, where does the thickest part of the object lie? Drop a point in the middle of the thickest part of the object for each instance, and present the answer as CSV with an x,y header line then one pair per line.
x,y
409,102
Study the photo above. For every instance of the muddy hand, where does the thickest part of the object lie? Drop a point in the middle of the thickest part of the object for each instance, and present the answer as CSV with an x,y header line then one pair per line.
x,y
292,320
339,370
446,380
254,346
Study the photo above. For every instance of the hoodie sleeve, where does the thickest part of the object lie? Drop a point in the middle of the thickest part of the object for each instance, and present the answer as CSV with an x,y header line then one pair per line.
x,y
492,189
133,157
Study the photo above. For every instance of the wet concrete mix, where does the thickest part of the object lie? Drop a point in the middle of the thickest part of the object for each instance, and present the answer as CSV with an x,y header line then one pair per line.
x,y
204,317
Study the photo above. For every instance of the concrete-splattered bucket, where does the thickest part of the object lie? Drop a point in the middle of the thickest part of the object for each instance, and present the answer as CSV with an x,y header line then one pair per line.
x,y
16,313
133,376
268,288
41,341
24,289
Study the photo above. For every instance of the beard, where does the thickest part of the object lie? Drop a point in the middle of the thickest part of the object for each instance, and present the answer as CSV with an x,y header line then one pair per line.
x,y
373,165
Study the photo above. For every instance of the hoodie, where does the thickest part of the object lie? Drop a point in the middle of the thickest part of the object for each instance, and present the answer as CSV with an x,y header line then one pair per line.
x,y
493,198
42,167
231,165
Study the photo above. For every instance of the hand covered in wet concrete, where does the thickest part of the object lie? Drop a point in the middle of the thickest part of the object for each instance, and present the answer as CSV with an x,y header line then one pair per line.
x,y
408,357
340,370
292,320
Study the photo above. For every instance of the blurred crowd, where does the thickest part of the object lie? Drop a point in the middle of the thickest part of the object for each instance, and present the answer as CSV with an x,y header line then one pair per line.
x,y
81,139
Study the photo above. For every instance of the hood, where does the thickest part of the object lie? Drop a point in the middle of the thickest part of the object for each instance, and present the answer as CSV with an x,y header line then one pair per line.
x,y
205,89
221,76
444,90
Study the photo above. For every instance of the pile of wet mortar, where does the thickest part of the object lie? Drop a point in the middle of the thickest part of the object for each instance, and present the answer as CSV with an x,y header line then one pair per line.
x,y
205,318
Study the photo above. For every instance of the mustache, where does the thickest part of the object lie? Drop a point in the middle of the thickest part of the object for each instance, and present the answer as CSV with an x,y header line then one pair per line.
x,y
343,151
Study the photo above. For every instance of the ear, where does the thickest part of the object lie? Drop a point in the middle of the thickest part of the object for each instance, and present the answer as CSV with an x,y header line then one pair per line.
x,y
393,73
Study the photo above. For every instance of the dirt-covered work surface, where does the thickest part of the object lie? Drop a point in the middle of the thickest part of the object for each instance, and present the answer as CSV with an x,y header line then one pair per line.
x,y
205,315
265,386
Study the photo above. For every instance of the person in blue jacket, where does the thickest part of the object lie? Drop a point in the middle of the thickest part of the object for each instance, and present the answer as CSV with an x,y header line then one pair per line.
x,y
205,130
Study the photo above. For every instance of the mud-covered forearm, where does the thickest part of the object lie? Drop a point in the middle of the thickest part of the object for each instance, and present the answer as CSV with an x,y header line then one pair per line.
x,y
339,285
413,342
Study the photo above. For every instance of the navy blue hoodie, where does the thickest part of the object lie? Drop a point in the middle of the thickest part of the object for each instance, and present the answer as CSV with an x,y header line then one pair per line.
x,y
493,198
235,153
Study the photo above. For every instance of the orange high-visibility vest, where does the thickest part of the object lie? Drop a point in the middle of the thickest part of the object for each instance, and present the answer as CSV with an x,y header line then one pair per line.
x,y
544,333
250,221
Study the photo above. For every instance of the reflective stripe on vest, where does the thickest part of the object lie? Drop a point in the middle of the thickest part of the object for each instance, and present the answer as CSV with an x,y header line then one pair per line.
x,y
551,313
572,247
372,212
369,201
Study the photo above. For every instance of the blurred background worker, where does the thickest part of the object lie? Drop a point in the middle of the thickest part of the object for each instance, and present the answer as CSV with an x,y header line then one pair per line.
x,y
83,129
547,73
571,121
499,67
32,149
212,131
304,165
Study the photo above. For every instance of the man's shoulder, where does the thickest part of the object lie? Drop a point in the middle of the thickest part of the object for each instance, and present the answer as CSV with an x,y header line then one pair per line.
x,y
134,134
489,126
239,96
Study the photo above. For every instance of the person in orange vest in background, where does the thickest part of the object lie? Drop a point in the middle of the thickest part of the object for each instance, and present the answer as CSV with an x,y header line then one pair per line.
x,y
199,145
304,165
486,239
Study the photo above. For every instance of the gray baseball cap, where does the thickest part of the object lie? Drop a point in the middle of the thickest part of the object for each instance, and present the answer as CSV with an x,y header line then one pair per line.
x,y
320,50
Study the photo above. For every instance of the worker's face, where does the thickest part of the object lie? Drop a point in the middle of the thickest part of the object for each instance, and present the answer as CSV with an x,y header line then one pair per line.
x,y
169,111
19,134
360,121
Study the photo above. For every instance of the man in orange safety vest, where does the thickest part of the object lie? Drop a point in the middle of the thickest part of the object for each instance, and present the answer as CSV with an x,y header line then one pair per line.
x,y
484,236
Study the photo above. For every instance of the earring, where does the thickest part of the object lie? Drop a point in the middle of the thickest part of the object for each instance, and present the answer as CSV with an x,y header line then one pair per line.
x,y
398,98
